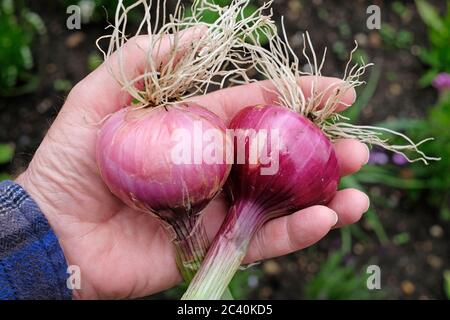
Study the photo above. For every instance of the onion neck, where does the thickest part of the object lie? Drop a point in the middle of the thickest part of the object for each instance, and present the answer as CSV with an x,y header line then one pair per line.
x,y
191,244
227,252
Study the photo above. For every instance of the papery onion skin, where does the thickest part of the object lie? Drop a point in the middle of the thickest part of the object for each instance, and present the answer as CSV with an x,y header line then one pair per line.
x,y
308,171
134,158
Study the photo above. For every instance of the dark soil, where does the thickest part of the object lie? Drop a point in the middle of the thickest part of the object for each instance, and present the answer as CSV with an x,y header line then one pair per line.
x,y
412,270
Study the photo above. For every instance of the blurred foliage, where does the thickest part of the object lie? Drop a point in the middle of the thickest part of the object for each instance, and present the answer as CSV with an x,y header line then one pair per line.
x,y
4,176
244,281
6,155
437,56
447,283
427,182
94,61
209,16
18,27
435,177
337,280
370,218
176,292
241,286
357,180
98,10
399,8
401,238
421,181
396,39
62,85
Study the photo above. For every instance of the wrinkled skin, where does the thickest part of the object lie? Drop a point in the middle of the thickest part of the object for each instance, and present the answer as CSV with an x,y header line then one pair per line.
x,y
124,253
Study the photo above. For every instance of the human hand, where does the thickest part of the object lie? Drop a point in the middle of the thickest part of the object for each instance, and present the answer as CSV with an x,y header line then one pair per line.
x,y
123,253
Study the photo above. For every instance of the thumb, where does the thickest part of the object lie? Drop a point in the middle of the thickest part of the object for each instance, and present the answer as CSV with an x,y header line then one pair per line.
x,y
102,94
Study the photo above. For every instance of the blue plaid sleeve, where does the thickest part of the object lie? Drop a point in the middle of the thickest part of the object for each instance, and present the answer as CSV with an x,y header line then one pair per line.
x,y
32,264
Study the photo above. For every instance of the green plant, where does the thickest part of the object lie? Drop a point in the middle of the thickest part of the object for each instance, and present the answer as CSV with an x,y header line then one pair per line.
x,y
17,28
62,85
401,238
98,10
94,61
338,281
371,216
437,181
340,50
398,7
210,16
423,182
396,39
6,155
240,286
357,181
447,283
437,56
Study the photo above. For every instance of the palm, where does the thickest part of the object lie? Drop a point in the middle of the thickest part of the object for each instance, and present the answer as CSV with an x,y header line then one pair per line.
x,y
121,252
124,253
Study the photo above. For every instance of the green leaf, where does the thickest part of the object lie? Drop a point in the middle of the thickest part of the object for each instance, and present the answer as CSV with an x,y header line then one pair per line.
x,y
4,176
447,283
17,27
403,124
404,38
430,57
401,238
210,16
428,77
62,85
430,16
445,213
222,3
399,8
94,61
6,153
370,216
338,280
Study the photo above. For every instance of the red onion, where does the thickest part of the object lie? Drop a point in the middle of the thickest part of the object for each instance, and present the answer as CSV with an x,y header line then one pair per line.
x,y
179,57
135,155
308,174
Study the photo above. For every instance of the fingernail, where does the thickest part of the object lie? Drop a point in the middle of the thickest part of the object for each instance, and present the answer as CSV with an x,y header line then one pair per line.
x,y
368,154
335,217
368,203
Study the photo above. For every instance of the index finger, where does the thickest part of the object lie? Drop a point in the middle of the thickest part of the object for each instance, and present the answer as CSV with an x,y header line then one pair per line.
x,y
227,102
